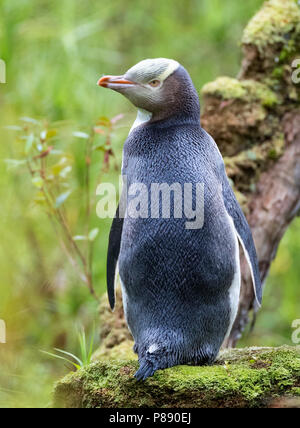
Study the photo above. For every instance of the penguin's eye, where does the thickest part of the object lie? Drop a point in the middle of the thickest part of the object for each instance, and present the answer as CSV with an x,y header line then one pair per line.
x,y
154,83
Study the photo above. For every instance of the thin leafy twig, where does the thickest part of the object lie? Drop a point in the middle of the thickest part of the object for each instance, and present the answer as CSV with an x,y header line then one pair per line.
x,y
37,155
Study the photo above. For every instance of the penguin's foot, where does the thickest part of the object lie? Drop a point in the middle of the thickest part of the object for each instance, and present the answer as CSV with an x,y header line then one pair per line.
x,y
146,370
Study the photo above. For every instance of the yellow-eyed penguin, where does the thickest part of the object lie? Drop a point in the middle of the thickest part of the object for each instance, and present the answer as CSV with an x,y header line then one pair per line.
x,y
180,275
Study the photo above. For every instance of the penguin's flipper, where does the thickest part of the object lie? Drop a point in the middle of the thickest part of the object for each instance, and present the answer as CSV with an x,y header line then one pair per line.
x,y
112,256
244,235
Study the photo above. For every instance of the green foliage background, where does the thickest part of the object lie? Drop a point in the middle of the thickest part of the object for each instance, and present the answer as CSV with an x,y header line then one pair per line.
x,y
55,51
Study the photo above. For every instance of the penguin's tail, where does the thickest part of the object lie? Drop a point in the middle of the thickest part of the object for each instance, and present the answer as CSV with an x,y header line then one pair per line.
x,y
147,369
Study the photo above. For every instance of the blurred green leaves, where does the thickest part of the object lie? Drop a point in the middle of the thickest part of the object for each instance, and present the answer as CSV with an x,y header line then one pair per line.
x,y
61,199
86,351
93,234
51,174
37,182
81,135
14,163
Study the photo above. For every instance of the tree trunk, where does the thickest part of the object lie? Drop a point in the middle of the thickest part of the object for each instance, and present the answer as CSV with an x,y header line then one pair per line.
x,y
255,120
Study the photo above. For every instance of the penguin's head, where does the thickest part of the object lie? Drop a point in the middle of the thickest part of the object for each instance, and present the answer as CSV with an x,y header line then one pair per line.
x,y
160,86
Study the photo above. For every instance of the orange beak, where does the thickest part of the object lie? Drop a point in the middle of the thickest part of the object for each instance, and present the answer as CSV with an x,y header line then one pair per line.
x,y
113,81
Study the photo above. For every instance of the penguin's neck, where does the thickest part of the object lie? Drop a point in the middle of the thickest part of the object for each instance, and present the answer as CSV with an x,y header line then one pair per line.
x,y
179,119
187,114
143,116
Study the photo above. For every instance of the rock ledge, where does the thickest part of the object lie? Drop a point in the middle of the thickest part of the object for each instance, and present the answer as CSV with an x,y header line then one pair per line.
x,y
249,377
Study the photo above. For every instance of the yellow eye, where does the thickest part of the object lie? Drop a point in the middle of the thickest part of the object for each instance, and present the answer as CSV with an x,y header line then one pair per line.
x,y
154,83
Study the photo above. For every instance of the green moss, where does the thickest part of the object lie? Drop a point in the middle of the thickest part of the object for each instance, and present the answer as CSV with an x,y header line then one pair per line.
x,y
275,20
278,73
245,90
225,87
259,92
240,378
295,391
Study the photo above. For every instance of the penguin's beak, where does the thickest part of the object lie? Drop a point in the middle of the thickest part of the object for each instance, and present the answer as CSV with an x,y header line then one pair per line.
x,y
114,82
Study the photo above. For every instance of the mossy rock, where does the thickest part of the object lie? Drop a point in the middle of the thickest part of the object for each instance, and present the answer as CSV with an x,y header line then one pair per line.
x,y
246,90
270,42
276,20
250,377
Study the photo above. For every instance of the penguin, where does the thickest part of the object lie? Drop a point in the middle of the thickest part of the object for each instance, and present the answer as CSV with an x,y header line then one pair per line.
x,y
180,283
